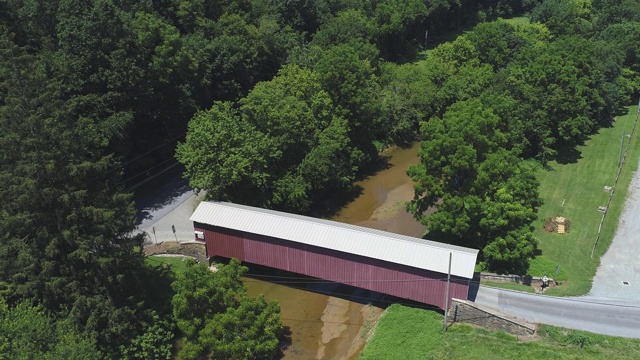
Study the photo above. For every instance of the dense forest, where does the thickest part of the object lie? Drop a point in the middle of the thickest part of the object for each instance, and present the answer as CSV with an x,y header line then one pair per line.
x,y
277,104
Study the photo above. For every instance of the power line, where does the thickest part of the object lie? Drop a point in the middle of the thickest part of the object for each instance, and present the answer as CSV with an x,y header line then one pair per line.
x,y
121,165
150,178
308,281
347,282
145,171
154,149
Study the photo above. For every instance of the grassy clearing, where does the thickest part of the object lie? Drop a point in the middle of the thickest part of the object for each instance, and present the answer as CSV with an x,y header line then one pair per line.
x,y
175,263
573,187
408,333
509,285
519,20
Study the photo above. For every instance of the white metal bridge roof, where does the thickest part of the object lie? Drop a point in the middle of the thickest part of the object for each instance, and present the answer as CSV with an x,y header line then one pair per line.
x,y
371,243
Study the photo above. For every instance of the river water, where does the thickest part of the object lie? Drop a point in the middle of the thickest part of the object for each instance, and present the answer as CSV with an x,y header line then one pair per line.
x,y
321,326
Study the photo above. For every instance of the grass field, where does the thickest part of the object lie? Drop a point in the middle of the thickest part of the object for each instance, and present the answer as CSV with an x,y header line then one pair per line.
x,y
409,333
573,187
509,285
175,263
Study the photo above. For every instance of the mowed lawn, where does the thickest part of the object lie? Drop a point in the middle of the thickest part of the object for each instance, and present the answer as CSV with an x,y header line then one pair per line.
x,y
409,333
175,263
574,188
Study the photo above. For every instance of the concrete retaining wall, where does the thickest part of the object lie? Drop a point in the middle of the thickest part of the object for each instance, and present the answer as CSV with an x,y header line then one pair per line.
x,y
526,280
468,312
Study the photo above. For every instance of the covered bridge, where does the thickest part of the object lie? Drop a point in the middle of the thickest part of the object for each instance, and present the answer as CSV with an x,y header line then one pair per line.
x,y
388,263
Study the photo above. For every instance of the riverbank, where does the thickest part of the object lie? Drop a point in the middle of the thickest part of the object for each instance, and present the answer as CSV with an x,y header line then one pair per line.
x,y
381,204
326,320
329,327
409,333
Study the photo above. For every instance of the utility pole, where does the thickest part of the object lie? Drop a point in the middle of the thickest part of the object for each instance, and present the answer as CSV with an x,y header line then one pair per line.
x,y
446,299
426,38
154,235
622,143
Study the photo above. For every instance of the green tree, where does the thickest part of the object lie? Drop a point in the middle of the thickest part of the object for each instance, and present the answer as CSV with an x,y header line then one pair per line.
x,y
285,148
457,73
395,20
248,331
155,342
347,26
626,38
227,156
65,228
27,333
497,42
347,73
218,320
482,192
407,97
245,53
564,17
565,93
609,12
297,115
304,16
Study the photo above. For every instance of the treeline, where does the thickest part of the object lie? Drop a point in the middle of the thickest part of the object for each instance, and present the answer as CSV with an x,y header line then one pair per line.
x,y
288,101
485,105
504,92
158,62
334,104
525,91
94,96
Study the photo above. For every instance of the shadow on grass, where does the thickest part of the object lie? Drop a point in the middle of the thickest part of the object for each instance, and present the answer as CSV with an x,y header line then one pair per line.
x,y
568,154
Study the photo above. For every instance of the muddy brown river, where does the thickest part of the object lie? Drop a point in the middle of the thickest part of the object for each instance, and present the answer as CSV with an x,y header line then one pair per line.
x,y
321,326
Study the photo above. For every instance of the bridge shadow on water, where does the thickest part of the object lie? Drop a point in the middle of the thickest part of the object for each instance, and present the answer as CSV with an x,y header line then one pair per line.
x,y
328,288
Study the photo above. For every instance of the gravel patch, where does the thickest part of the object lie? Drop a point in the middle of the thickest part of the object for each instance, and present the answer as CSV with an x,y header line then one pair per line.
x,y
618,276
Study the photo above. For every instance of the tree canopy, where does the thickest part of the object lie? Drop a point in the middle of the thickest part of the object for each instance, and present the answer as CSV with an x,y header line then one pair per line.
x,y
508,92
219,320
282,148
278,104
27,333
481,191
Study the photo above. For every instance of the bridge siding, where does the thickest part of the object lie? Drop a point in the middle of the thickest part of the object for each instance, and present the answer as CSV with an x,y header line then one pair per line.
x,y
408,282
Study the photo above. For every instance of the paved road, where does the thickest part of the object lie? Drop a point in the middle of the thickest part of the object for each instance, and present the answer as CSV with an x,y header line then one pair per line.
x,y
611,308
171,206
161,228
597,313
601,316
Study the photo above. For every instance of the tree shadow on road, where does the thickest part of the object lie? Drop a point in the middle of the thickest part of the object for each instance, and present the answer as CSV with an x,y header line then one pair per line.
x,y
151,199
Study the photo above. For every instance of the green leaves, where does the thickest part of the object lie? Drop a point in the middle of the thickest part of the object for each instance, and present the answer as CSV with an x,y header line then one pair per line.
x,y
482,192
284,148
249,331
217,318
27,333
224,154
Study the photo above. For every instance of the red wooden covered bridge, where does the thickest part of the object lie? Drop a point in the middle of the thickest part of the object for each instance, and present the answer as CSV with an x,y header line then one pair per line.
x,y
388,263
